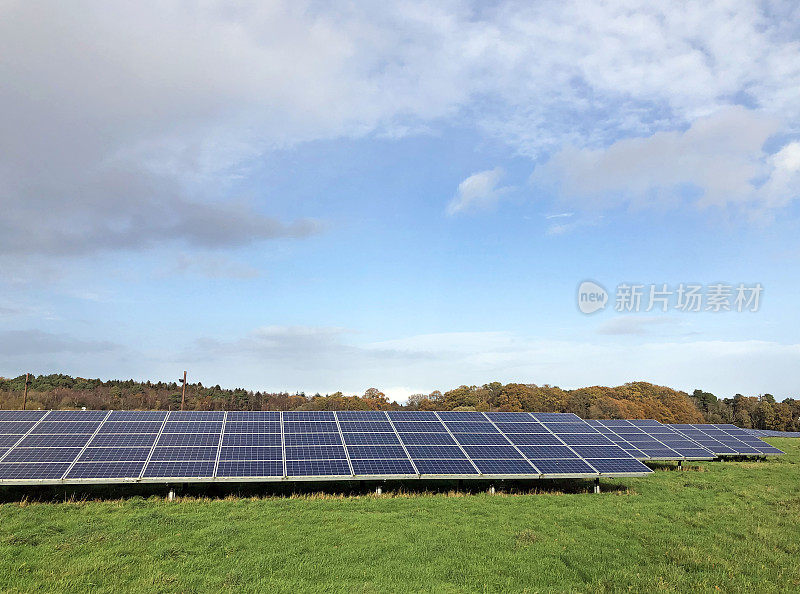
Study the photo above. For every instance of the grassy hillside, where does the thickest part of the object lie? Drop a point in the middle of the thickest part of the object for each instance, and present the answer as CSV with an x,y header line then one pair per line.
x,y
728,525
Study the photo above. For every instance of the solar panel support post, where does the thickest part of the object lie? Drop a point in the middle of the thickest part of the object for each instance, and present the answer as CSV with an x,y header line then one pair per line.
x,y
378,490
680,464
25,392
170,493
183,391
597,485
491,490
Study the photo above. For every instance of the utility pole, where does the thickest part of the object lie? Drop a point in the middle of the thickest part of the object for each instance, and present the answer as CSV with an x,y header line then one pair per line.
x,y
25,393
183,392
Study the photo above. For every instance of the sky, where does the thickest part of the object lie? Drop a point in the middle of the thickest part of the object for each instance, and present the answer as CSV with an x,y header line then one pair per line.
x,y
309,196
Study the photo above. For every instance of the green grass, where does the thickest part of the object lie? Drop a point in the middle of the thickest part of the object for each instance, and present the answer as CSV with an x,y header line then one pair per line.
x,y
718,526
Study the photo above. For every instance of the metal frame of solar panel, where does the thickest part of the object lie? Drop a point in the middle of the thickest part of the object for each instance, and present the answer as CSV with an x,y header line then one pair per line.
x,y
207,446
647,439
727,440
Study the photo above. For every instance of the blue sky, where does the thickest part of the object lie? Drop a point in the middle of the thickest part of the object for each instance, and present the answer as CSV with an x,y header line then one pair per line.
x,y
295,196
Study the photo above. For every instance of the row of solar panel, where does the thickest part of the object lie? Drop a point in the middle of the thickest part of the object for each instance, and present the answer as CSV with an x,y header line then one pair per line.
x,y
772,433
131,445
88,444
648,439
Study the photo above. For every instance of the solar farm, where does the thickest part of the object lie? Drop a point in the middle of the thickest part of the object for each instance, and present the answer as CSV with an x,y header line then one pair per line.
x,y
40,447
471,501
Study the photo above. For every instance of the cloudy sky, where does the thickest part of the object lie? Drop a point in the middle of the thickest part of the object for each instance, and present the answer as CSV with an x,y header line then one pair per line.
x,y
321,196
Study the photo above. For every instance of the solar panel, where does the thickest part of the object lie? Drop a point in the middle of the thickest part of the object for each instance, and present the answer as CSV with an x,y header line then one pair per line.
x,y
21,415
352,439
726,440
646,439
269,445
250,468
317,468
114,455
97,470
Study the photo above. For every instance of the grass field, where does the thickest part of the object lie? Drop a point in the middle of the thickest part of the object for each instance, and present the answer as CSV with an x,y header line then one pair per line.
x,y
717,526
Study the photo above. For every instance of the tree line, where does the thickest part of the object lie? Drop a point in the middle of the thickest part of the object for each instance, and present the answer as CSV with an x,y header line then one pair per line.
x,y
634,400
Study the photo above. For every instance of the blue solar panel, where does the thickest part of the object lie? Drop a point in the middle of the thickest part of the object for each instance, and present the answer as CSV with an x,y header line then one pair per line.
x,y
644,422
442,452
567,466
470,427
310,427
21,415
169,454
66,427
560,428
302,439
53,441
193,427
122,440
179,469
383,426
309,415
131,427
315,453
317,468
585,439
610,451
31,471
522,428
489,451
114,455
94,470
618,466
376,452
251,439
196,415
382,467
251,453
534,439
429,466
481,439
361,415
16,427
138,415
42,455
427,439
8,440
254,415
191,439
544,452
505,467
249,468
419,426
252,427
370,438
253,445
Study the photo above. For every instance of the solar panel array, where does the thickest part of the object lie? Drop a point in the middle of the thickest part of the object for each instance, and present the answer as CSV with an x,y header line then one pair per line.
x,y
726,440
647,439
772,433
157,446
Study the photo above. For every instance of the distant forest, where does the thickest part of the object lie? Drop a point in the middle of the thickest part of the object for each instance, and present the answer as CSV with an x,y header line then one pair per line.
x,y
635,400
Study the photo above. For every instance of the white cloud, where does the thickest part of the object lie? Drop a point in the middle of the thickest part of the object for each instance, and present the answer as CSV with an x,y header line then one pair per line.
x,y
479,191
118,124
720,156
